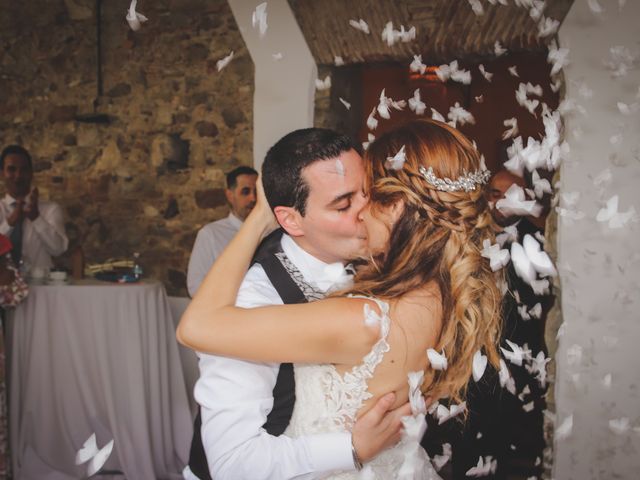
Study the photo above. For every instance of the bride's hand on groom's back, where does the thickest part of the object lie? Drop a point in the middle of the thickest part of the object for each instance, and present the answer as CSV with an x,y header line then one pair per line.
x,y
379,428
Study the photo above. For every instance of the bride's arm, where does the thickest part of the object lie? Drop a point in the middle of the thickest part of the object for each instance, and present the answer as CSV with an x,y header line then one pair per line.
x,y
331,330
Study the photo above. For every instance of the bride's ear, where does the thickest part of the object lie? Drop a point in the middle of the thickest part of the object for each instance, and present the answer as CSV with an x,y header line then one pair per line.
x,y
289,219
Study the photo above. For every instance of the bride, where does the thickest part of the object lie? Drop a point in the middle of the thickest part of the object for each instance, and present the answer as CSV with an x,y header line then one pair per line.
x,y
425,286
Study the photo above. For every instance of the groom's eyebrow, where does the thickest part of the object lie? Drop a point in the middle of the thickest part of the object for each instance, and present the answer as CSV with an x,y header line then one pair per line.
x,y
341,198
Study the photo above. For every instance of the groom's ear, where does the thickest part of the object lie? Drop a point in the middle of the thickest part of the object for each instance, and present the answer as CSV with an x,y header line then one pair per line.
x,y
290,219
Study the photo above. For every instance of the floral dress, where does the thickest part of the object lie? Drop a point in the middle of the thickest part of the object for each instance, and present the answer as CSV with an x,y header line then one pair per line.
x,y
11,295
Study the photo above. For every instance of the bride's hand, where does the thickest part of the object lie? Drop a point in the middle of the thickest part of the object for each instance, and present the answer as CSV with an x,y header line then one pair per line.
x,y
262,212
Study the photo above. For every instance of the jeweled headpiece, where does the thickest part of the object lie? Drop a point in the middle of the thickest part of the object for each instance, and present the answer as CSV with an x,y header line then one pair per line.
x,y
466,182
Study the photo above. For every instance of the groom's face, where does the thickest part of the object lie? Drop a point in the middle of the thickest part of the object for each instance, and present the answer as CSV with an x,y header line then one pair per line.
x,y
332,230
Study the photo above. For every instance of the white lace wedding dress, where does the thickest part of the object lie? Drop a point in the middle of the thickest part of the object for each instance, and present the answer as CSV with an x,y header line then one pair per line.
x,y
327,401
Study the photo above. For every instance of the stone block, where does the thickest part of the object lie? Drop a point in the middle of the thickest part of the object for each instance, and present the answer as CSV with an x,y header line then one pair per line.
x,y
41,166
172,209
169,152
62,113
88,135
119,90
207,129
69,140
210,198
196,52
80,159
232,116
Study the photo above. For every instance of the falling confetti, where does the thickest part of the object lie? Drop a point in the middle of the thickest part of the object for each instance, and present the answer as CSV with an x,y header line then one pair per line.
x,y
220,64
620,426
397,162
453,72
483,468
386,102
372,121
360,25
479,365
438,360
135,19
416,104
259,18
90,453
557,57
564,429
417,65
614,218
391,36
517,354
498,258
514,203
323,84
476,6
443,413
547,27
512,130
416,399
370,138
440,461
594,6
459,115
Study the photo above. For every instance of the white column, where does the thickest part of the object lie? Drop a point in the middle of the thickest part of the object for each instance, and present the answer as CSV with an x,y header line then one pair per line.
x,y
284,89
600,267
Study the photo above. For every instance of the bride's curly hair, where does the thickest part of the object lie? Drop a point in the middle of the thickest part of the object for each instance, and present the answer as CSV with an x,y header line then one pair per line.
x,y
437,238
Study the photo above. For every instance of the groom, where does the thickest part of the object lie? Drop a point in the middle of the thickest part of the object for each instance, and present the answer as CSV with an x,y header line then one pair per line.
x,y
314,180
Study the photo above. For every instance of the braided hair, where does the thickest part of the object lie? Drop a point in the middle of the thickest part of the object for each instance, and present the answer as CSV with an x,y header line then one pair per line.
x,y
437,238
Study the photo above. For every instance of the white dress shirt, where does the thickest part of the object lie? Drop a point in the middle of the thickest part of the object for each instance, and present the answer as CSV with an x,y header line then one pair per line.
x,y
236,397
43,237
210,241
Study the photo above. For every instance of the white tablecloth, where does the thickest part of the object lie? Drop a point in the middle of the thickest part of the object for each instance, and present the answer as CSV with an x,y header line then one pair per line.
x,y
97,358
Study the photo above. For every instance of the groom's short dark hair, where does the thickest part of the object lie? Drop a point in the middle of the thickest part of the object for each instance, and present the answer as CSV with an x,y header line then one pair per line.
x,y
284,162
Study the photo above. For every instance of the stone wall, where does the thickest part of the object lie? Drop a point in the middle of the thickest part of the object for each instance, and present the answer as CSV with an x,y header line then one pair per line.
x,y
148,179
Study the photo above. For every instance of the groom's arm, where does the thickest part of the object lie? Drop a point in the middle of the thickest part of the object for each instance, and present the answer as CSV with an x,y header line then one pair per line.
x,y
236,397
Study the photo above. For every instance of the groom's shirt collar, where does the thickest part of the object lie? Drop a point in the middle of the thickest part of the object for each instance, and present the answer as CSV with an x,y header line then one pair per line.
x,y
316,273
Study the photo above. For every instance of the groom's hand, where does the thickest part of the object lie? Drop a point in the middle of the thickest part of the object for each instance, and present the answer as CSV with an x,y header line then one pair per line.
x,y
379,428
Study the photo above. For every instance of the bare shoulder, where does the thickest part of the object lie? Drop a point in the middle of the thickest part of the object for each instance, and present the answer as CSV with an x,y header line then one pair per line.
x,y
353,308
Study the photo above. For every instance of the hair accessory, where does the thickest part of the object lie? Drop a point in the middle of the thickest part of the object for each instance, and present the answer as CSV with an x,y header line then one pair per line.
x,y
466,182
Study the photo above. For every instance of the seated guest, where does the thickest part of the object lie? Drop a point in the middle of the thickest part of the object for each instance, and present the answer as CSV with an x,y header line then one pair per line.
x,y
213,237
35,227
13,289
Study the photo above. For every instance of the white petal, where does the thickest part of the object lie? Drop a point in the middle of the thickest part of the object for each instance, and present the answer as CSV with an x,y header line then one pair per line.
x,y
88,450
99,459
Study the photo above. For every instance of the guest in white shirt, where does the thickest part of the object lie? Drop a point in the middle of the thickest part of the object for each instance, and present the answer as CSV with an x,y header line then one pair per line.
x,y
35,227
214,236
236,396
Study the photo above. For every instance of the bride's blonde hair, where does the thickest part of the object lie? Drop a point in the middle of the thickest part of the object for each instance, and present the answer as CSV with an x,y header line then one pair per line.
x,y
437,238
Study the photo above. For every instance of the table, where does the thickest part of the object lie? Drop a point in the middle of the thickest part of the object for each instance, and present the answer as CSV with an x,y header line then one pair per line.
x,y
96,357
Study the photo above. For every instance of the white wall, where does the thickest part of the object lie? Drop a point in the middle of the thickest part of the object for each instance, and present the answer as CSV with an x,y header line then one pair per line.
x,y
599,266
284,89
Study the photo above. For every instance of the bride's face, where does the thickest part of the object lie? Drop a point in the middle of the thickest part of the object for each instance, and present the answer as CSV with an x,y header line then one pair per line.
x,y
379,221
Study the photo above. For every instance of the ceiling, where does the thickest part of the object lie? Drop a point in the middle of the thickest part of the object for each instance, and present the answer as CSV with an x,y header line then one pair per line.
x,y
445,29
